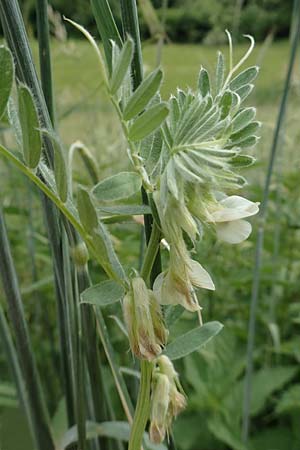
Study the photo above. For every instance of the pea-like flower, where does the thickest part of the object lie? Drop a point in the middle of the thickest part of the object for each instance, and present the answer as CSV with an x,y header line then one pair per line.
x,y
159,408
167,399
176,285
228,218
144,322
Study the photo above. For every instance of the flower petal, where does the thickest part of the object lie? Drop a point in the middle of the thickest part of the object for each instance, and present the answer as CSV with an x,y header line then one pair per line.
x,y
233,232
234,208
199,276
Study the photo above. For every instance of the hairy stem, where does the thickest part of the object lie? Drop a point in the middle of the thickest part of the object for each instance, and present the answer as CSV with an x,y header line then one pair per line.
x,y
142,409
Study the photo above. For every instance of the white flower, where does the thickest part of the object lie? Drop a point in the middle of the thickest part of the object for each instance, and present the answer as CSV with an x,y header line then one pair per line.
x,y
228,218
175,286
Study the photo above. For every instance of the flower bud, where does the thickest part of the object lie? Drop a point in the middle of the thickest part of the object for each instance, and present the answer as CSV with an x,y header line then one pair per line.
x,y
167,400
146,331
159,408
80,255
175,286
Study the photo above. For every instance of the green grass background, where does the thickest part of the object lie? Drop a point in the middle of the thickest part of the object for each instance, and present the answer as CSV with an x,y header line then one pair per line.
x,y
85,113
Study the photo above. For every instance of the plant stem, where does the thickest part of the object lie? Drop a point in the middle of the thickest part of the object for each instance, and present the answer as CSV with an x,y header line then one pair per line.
x,y
152,264
44,52
151,252
142,409
14,364
260,237
38,411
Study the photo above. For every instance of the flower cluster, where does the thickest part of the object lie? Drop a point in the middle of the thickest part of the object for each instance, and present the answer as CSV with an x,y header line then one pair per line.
x,y
194,164
203,140
167,400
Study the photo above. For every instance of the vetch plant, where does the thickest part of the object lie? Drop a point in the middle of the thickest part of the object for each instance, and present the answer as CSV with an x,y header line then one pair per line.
x,y
186,155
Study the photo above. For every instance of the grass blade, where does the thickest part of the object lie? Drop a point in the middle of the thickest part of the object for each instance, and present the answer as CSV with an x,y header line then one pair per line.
x,y
260,236
44,53
107,28
38,411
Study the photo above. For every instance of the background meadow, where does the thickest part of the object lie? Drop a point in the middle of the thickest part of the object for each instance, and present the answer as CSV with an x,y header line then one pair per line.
x,y
213,376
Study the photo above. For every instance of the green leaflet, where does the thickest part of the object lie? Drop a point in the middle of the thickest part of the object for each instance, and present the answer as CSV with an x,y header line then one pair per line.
x,y
148,122
192,340
245,132
100,238
60,168
244,91
172,314
106,253
7,77
117,187
242,161
226,103
242,119
245,77
220,70
103,294
31,135
87,213
203,82
143,94
248,142
13,117
60,172
122,66
127,210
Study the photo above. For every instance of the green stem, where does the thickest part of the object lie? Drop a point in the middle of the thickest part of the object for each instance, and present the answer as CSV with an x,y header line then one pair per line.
x,y
151,253
44,52
38,412
152,263
14,364
142,410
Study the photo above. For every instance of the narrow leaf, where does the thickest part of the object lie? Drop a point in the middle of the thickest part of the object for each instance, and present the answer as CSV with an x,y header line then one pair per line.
x,y
106,253
7,77
242,119
203,82
122,66
192,340
86,210
103,294
249,130
128,210
225,104
107,27
148,122
60,172
31,135
143,94
117,187
220,70
242,161
244,78
244,91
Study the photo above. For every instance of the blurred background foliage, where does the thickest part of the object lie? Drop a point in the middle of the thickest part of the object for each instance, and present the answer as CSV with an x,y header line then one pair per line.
x,y
213,377
189,20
